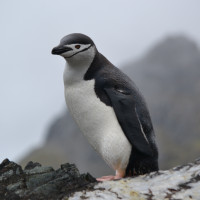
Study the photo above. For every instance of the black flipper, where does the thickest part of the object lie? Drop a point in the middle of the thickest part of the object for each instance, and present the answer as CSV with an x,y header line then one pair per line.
x,y
123,103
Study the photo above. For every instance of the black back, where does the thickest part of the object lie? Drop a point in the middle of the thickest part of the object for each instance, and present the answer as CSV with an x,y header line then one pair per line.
x,y
117,90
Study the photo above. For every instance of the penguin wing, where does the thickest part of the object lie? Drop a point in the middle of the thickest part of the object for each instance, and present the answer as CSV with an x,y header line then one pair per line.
x,y
123,104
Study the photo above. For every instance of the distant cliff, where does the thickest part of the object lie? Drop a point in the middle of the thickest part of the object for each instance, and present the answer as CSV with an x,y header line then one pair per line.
x,y
168,77
36,182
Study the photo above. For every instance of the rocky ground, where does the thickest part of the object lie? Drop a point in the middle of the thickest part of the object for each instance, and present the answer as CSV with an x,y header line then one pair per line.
x,y
66,183
182,182
37,182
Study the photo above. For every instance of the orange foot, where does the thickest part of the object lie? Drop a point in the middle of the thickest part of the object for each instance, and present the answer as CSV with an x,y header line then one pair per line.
x,y
119,175
108,178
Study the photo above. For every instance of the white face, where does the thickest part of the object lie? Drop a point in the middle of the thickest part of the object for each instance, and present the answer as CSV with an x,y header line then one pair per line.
x,y
80,54
76,49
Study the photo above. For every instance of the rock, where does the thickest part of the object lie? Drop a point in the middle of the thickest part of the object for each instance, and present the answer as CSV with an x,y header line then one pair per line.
x,y
32,165
66,183
39,182
179,183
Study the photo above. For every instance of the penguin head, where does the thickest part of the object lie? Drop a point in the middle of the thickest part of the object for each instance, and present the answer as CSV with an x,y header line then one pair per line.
x,y
75,47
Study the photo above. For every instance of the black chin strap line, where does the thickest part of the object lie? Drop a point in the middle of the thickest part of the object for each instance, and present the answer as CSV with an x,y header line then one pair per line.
x,y
79,51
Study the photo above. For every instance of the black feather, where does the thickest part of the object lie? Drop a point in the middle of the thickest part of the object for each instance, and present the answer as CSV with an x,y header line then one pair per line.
x,y
117,90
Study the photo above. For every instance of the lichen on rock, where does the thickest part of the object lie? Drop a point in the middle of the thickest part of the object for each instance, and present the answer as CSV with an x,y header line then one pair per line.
x,y
179,183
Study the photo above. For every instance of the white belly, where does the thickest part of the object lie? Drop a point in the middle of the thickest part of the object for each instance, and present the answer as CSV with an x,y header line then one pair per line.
x,y
98,123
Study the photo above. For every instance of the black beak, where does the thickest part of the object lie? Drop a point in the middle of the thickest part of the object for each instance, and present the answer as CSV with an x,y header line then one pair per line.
x,y
60,49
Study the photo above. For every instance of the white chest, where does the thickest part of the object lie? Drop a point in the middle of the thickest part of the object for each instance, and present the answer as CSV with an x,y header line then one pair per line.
x,y
98,123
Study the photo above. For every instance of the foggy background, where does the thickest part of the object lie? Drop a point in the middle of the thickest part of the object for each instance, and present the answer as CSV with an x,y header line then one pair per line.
x,y
155,42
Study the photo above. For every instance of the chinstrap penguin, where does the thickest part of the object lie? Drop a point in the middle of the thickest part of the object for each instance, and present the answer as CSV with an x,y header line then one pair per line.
x,y
108,108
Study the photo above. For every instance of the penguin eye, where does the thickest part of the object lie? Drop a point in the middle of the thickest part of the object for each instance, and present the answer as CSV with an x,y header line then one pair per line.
x,y
77,46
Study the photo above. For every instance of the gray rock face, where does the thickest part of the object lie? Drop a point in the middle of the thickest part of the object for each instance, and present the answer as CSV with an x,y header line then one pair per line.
x,y
66,183
37,182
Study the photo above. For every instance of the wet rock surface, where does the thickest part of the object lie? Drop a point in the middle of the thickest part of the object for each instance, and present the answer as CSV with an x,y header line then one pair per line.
x,y
38,182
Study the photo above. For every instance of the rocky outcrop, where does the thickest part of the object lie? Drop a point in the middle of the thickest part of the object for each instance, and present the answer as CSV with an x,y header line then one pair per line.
x,y
179,183
38,182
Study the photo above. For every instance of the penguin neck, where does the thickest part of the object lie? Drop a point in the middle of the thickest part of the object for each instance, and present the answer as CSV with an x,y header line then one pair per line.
x,y
76,67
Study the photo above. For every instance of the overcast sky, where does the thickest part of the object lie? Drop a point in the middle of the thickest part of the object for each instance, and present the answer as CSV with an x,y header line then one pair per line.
x,y
31,83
